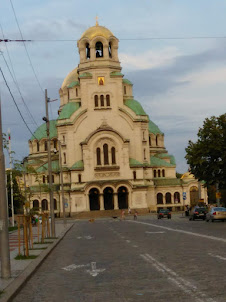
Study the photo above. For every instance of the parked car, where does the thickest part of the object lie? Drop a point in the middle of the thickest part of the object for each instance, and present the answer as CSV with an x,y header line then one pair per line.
x,y
198,213
164,213
217,213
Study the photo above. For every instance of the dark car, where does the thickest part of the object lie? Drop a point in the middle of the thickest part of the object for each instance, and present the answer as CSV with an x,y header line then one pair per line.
x,y
164,213
198,213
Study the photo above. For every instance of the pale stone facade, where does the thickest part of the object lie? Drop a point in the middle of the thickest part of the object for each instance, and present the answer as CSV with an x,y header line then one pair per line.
x,y
113,155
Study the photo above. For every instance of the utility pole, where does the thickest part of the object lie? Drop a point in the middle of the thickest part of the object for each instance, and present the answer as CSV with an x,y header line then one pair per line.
x,y
4,233
217,194
11,176
46,119
25,186
62,182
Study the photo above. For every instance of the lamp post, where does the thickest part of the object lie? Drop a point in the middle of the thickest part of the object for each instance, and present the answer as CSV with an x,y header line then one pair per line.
x,y
62,182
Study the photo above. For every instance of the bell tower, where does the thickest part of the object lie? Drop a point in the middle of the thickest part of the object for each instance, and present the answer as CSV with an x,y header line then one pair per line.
x,y
98,48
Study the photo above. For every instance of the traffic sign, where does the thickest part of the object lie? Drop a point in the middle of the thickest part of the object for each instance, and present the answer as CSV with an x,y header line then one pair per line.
x,y
184,196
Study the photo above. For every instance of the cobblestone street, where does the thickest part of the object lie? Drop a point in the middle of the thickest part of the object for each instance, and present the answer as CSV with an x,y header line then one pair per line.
x,y
144,260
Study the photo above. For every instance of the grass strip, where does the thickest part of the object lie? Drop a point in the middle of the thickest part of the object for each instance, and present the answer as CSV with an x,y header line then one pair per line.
x,y
10,229
45,242
22,257
39,248
51,238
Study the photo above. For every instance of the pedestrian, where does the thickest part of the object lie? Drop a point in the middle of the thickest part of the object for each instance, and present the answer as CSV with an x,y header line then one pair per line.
x,y
135,215
122,214
129,210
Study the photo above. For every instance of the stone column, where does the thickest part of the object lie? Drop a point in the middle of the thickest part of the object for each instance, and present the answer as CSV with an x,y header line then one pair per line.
x,y
105,52
92,53
164,198
115,196
101,202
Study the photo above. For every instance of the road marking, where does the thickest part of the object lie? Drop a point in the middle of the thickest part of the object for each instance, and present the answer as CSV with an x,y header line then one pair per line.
x,y
172,276
181,231
217,256
94,271
135,246
86,237
128,241
154,232
74,266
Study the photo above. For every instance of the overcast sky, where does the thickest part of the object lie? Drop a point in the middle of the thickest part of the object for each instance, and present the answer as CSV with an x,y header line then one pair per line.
x,y
179,82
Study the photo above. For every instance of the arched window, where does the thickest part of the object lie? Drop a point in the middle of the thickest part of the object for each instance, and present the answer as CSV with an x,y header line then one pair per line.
x,y
55,144
76,91
108,100
98,157
168,197
155,174
156,140
124,89
45,145
113,159
35,204
63,139
96,100
109,50
47,179
176,197
105,148
87,51
134,175
159,198
99,50
149,141
102,100
144,154
37,146
44,205
143,135
53,179
65,160
55,204
43,179
79,178
159,173
163,173
68,94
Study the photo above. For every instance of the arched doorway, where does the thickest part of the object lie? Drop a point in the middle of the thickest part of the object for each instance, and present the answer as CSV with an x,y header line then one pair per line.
x,y
194,196
108,199
159,198
44,205
94,202
123,198
36,204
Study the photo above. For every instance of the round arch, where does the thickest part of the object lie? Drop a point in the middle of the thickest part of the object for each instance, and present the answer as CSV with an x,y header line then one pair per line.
x,y
123,197
168,198
159,198
94,199
36,204
108,198
44,205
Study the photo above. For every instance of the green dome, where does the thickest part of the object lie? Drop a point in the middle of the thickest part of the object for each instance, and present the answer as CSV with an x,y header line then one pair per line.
x,y
40,133
135,106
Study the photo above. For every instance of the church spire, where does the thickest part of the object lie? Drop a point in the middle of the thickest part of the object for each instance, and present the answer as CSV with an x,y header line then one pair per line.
x,y
97,24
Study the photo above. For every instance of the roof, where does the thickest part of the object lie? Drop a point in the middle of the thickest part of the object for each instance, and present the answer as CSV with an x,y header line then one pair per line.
x,y
71,77
79,165
85,75
125,81
68,110
135,106
168,182
73,84
153,128
168,156
116,74
40,132
44,168
95,31
155,161
135,163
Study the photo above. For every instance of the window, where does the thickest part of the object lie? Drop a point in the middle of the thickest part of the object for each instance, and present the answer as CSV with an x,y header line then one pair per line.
x,y
76,91
168,197
96,100
55,204
156,140
134,175
155,174
102,100
109,50
44,205
149,140
176,197
144,154
98,157
87,51
105,148
43,179
79,178
47,178
68,94
63,139
163,173
99,50
124,89
45,146
143,135
113,160
64,155
37,146
108,100
55,144
159,173
52,178
159,198
35,204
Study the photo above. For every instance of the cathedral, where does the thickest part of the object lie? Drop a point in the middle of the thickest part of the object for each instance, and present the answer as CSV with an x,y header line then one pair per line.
x,y
113,154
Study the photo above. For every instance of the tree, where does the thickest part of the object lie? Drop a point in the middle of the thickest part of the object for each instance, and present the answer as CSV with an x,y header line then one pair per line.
x,y
207,157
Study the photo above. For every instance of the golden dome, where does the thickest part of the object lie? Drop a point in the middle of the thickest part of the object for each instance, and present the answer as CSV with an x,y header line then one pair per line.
x,y
71,77
95,31
187,175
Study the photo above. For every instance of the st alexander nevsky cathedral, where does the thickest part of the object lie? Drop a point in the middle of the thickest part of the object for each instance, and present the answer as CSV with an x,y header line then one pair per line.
x,y
113,155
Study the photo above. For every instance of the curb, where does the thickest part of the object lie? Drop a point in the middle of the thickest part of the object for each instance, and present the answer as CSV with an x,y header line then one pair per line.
x,y
15,286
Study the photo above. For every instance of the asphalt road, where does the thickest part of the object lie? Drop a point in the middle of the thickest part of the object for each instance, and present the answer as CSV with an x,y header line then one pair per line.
x,y
144,260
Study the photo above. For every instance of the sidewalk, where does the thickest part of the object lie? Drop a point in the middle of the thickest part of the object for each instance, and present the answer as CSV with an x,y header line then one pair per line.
x,y
22,269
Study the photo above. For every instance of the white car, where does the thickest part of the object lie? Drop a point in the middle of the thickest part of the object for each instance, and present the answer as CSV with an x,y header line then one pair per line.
x,y
217,213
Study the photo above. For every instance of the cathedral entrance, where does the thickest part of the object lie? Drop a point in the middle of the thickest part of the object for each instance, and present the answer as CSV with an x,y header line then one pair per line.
x,y
94,202
122,198
108,199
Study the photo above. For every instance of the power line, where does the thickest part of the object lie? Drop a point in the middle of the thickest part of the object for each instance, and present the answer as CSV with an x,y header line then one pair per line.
x,y
26,47
16,104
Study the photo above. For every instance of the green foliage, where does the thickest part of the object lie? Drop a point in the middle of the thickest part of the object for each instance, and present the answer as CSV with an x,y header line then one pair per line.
x,y
207,157
178,175
22,257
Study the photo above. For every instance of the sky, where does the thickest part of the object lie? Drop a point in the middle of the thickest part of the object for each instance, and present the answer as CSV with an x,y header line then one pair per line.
x,y
178,73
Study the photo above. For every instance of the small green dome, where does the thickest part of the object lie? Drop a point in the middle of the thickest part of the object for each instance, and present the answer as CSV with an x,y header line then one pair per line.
x,y
40,133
